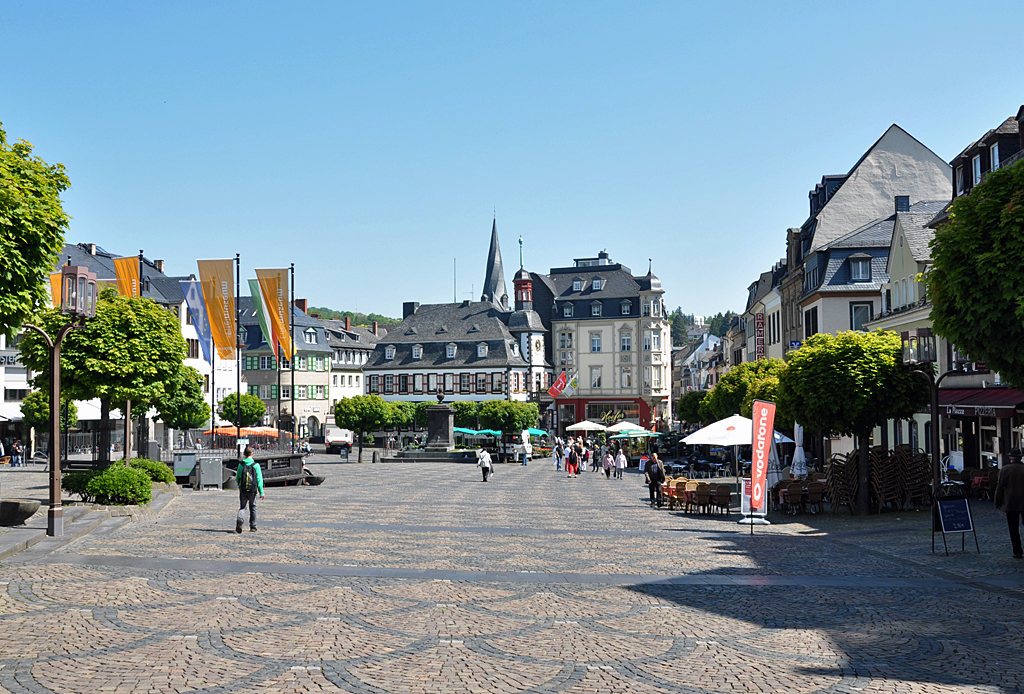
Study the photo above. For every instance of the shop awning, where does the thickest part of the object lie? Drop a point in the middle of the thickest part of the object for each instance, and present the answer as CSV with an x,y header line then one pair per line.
x,y
979,402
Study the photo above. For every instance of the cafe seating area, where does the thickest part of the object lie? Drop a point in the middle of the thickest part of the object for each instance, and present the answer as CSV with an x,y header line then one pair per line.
x,y
694,496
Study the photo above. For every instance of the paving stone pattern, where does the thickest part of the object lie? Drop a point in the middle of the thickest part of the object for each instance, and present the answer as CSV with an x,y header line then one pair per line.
x,y
421,579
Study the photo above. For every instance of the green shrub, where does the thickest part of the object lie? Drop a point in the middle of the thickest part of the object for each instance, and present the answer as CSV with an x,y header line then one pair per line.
x,y
119,485
157,471
78,483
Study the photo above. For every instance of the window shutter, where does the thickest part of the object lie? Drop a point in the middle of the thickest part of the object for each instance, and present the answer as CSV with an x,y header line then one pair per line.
x,y
273,392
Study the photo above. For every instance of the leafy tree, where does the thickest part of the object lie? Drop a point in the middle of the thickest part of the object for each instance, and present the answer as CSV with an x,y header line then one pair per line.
x,y
744,383
252,409
35,411
363,414
32,227
508,416
360,319
689,406
718,324
130,351
977,273
420,414
848,384
466,414
182,404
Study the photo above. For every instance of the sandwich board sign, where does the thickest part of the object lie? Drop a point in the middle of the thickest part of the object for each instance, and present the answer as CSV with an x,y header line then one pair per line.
x,y
953,515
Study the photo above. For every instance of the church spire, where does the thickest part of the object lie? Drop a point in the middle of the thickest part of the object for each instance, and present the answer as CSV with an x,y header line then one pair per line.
x,y
494,281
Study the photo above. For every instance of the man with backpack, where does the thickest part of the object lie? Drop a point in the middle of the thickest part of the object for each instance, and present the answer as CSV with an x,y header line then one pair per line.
x,y
250,483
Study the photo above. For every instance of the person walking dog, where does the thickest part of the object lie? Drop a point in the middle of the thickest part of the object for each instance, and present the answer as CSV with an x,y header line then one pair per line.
x,y
250,483
1010,498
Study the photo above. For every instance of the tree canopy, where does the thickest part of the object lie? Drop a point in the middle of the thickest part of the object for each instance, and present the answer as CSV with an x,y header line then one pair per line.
x,y
741,385
182,404
976,281
363,414
508,416
35,412
32,227
252,409
689,406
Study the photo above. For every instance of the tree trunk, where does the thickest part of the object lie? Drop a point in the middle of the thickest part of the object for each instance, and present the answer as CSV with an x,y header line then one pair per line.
x,y
127,432
360,446
863,475
104,452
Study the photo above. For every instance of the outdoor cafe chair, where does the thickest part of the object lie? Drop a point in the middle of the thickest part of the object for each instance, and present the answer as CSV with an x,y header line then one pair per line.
x,y
723,498
794,498
703,500
689,495
815,492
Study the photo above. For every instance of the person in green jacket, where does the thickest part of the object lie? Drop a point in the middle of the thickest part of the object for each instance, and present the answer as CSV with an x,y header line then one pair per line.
x,y
250,483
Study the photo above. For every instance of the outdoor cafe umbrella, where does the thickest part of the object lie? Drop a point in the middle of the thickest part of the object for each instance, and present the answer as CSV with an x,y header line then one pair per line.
x,y
732,431
625,426
586,426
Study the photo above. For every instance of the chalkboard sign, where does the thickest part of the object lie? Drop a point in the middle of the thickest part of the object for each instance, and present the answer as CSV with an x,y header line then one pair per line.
x,y
954,515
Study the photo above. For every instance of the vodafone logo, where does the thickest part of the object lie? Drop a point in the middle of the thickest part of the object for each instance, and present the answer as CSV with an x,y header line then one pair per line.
x,y
730,428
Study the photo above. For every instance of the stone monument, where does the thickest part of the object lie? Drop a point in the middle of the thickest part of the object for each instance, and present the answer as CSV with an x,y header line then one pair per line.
x,y
440,426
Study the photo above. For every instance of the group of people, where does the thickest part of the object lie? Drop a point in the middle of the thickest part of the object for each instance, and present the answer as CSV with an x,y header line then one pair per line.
x,y
578,454
16,452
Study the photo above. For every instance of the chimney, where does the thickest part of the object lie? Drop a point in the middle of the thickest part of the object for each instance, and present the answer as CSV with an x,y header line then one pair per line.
x,y
409,308
301,304
903,203
159,265
348,323
92,249
374,327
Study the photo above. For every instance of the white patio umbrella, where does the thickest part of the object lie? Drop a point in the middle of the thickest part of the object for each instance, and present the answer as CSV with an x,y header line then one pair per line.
x,y
799,466
625,426
586,425
731,431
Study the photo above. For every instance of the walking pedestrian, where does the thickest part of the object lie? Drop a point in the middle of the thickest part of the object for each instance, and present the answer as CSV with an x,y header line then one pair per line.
x,y
484,463
620,463
16,452
250,483
559,452
572,462
655,474
608,464
1010,498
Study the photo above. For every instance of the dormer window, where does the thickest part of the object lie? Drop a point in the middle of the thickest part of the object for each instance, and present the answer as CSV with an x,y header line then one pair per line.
x,y
310,336
577,285
595,308
450,351
481,350
597,284
567,311
417,351
243,335
389,352
860,268
625,308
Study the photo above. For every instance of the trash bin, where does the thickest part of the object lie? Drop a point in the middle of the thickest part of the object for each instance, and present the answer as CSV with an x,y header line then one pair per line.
x,y
209,473
184,464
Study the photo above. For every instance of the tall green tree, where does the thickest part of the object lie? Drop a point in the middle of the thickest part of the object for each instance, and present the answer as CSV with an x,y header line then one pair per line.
x,y
741,385
242,412
976,281
848,384
182,405
35,412
130,351
689,406
508,416
466,413
32,227
363,414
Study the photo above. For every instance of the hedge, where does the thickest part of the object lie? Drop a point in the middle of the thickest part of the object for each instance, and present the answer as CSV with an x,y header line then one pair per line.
x,y
157,471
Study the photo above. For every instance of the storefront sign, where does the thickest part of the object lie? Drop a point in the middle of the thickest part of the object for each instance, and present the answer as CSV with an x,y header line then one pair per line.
x,y
759,352
9,358
971,411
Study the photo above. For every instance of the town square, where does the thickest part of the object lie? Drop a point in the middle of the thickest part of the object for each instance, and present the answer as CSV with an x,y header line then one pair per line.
x,y
451,347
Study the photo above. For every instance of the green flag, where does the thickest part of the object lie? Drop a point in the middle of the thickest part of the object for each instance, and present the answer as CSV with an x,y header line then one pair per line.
x,y
261,314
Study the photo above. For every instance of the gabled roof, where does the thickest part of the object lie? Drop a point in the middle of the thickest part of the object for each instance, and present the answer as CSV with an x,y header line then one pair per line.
x,y
617,284
457,322
918,234
435,355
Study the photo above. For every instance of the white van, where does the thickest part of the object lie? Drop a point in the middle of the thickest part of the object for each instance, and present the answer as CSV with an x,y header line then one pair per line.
x,y
337,440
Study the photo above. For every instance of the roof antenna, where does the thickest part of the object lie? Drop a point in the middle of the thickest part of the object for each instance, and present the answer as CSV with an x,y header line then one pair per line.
x,y
650,263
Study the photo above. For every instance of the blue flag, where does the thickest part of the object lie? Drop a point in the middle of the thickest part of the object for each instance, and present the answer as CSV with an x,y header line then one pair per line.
x,y
193,292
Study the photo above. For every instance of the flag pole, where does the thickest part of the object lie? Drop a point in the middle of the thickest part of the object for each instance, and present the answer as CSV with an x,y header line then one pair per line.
x,y
291,357
238,352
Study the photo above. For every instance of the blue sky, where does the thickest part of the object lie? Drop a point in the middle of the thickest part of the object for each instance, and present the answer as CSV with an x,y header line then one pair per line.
x,y
370,143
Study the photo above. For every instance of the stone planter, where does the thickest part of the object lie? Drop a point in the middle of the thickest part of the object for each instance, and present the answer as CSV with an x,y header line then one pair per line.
x,y
17,511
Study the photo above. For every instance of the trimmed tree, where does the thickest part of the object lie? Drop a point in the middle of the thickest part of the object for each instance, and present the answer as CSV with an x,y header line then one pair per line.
x,y
744,383
242,412
130,351
689,406
35,411
32,227
977,274
182,405
508,416
848,384
465,414
363,414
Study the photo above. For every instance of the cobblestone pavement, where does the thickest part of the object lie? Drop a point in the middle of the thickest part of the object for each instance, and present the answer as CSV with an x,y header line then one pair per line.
x,y
421,579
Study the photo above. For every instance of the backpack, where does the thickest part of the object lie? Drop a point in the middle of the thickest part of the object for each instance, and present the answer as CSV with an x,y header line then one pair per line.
x,y
249,478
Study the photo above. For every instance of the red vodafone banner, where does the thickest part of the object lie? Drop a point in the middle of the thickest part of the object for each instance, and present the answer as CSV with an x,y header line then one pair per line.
x,y
764,427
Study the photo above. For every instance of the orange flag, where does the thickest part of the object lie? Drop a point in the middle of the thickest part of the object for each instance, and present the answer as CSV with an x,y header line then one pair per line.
x,y
274,288
216,277
55,280
127,270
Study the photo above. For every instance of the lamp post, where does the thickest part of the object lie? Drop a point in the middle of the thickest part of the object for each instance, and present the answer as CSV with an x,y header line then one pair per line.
x,y
919,348
77,301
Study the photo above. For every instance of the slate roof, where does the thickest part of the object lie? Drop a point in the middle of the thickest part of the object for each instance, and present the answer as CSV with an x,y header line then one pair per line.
x,y
918,234
354,338
444,323
618,283
879,232
435,355
837,272
254,334
525,321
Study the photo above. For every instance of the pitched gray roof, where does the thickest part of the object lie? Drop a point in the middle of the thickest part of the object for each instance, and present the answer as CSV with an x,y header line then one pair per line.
x,y
878,233
435,355
444,323
354,338
302,322
494,280
523,321
918,234
617,283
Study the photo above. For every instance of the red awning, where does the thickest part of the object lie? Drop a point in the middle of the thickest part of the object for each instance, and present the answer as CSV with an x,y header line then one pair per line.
x,y
980,402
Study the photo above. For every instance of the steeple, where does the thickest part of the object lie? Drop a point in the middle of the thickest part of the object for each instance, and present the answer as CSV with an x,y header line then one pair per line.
x,y
494,280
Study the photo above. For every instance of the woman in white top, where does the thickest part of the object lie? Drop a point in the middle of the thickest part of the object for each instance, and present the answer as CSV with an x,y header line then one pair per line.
x,y
484,463
620,464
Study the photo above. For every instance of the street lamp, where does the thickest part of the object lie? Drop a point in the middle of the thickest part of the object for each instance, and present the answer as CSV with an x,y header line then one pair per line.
x,y
919,348
78,302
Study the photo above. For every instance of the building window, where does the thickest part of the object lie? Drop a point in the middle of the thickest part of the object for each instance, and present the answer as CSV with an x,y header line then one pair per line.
x,y
464,383
336,380
417,351
286,392
243,335
656,308
431,383
357,381
995,156
860,269
498,383
566,357
656,341
449,383
595,376
860,314
596,285
15,394
810,322
625,308
647,341
285,364
626,378
300,392
577,285
595,342
565,340
647,309
959,180
481,350
417,383
567,311
389,352
349,380
976,169
595,309
389,383
625,342
481,383
193,348
647,377
656,382
310,336
450,351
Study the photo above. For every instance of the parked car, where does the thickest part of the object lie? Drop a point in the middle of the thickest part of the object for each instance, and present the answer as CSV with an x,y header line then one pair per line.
x,y
338,440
